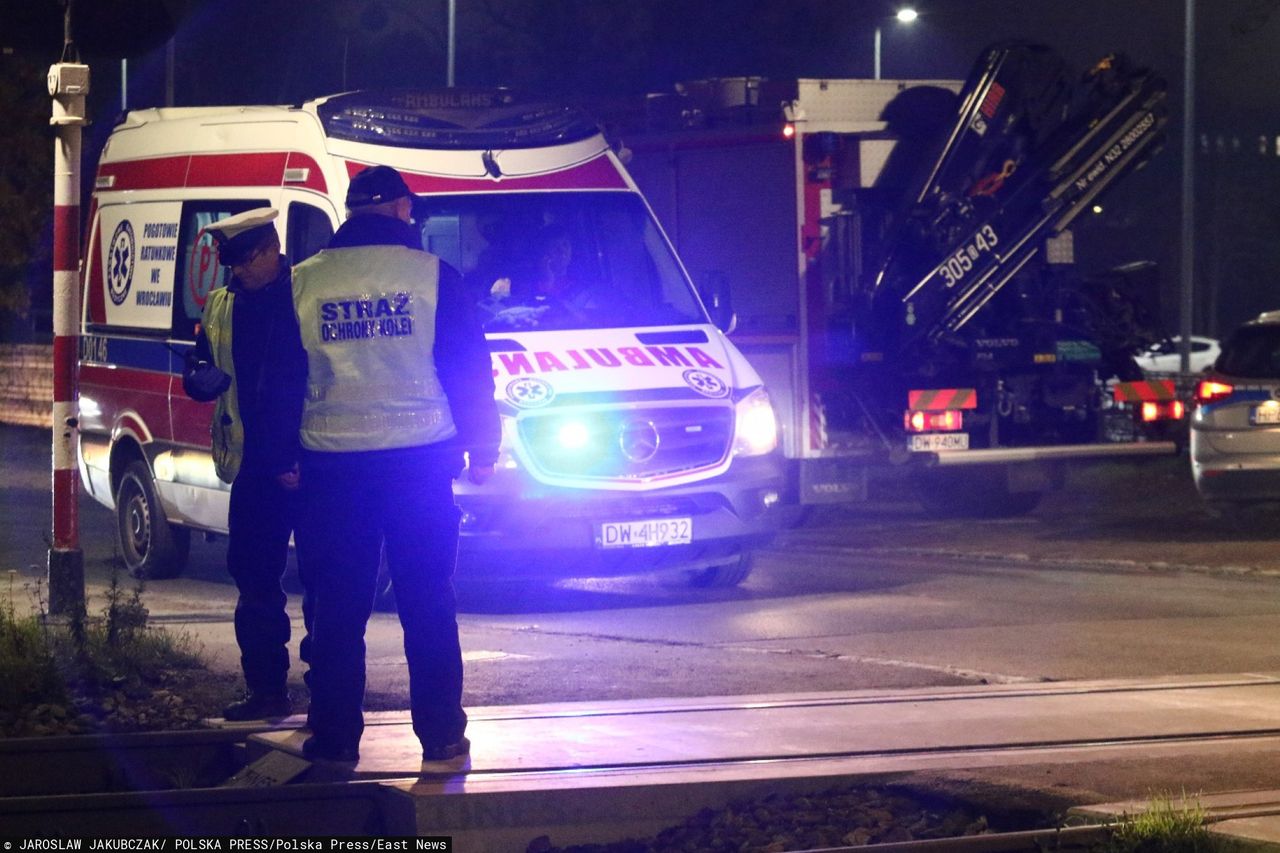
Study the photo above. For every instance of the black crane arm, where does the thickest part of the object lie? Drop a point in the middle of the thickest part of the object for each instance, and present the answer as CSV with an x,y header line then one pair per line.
x,y
1028,151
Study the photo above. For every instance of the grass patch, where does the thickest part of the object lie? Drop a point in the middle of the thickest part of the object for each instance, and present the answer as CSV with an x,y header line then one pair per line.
x,y
1165,826
78,673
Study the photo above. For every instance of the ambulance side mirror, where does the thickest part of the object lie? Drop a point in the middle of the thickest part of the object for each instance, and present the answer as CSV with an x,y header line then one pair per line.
x,y
715,295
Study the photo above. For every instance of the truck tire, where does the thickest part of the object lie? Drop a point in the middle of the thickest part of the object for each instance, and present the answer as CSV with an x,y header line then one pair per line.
x,y
723,576
973,495
1007,504
151,547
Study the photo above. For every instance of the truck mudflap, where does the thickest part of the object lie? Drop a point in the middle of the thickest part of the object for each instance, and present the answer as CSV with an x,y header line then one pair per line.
x,y
1047,453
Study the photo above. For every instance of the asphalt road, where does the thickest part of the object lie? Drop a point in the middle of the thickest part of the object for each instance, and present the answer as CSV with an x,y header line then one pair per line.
x,y
1122,574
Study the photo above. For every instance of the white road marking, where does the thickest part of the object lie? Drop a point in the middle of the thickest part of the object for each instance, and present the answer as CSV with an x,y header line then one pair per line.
x,y
959,672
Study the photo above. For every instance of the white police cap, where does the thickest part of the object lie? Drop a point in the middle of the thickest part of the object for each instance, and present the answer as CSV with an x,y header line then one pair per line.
x,y
239,235
230,227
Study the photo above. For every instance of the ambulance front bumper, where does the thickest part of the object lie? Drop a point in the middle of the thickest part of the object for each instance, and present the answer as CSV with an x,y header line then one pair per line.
x,y
516,526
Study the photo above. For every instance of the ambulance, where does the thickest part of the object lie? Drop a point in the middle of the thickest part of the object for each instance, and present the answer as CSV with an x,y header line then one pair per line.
x,y
635,435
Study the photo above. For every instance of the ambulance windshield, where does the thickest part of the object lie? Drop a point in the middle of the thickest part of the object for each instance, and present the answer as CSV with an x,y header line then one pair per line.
x,y
559,260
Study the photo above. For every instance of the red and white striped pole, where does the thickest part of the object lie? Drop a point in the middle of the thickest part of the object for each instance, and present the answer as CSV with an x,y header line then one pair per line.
x,y
68,86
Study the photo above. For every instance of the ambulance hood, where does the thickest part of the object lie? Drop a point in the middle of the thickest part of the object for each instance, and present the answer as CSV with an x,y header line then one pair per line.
x,y
532,370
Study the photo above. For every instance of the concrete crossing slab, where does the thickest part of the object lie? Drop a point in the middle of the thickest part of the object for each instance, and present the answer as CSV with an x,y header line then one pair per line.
x,y
601,771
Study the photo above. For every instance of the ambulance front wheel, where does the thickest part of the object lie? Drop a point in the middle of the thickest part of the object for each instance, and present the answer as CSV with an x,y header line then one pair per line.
x,y
151,547
723,576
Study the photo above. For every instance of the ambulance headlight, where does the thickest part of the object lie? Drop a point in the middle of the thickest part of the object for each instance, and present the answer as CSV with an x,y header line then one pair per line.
x,y
756,428
573,435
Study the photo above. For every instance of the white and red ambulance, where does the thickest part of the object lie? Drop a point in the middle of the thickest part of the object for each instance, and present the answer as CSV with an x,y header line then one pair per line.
x,y
636,436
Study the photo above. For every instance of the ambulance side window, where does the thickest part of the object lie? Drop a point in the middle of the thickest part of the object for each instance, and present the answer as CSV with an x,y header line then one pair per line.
x,y
198,267
309,232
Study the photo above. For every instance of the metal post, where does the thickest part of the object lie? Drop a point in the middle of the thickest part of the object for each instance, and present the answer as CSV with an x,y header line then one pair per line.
x,y
453,31
877,55
68,86
1187,307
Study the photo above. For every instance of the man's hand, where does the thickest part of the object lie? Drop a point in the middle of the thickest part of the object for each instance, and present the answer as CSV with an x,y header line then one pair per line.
x,y
205,381
289,480
478,474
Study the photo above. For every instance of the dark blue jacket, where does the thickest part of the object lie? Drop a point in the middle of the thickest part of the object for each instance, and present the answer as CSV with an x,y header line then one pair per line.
x,y
270,368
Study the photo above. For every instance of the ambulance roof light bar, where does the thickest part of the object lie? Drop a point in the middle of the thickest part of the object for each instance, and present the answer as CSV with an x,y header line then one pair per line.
x,y
452,119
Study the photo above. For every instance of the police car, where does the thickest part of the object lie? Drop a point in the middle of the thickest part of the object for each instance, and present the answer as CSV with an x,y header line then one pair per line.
x,y
1235,427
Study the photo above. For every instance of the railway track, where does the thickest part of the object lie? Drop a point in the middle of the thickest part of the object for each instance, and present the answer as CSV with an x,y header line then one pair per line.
x,y
177,784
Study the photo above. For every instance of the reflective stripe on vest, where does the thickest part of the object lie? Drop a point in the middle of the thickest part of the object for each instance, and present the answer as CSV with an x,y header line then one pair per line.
x,y
227,430
368,321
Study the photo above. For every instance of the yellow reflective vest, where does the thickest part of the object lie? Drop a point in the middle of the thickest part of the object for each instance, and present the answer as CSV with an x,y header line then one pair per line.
x,y
367,315
227,429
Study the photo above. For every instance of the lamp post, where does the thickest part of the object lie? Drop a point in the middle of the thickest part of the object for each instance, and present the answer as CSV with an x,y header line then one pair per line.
x,y
452,42
1187,301
905,15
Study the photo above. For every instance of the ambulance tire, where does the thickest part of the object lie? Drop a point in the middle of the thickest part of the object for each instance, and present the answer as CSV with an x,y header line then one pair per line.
x,y
724,576
151,547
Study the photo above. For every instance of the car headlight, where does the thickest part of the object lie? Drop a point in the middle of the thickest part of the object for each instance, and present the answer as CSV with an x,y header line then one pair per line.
x,y
573,435
755,428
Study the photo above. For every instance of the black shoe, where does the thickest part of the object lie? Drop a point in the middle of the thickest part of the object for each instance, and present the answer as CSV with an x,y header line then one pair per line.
x,y
315,749
449,752
259,706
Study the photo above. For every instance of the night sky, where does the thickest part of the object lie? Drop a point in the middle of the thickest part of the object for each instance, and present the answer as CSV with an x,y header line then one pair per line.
x,y
286,51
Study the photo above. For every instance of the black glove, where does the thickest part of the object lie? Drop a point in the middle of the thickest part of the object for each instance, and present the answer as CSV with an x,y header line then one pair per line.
x,y
204,381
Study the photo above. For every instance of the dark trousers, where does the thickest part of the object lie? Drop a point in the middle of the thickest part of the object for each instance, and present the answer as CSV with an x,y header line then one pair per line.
x,y
261,518
353,502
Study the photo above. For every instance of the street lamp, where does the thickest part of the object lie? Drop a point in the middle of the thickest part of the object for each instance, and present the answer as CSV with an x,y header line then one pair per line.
x,y
905,15
452,42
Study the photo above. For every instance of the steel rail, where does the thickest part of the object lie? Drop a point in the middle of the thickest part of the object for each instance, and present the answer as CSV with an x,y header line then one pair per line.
x,y
291,809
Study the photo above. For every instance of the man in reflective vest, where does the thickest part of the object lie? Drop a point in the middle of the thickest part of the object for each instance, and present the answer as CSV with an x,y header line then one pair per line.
x,y
399,386
246,357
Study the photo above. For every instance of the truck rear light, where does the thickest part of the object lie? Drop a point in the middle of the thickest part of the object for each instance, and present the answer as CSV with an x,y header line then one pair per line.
x,y
1209,391
1169,410
948,420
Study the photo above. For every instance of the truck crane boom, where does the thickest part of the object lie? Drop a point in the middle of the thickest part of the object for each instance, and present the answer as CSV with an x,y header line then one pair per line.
x,y
1028,151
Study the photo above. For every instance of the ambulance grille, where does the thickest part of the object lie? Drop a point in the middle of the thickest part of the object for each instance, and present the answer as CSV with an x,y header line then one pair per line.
x,y
634,444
